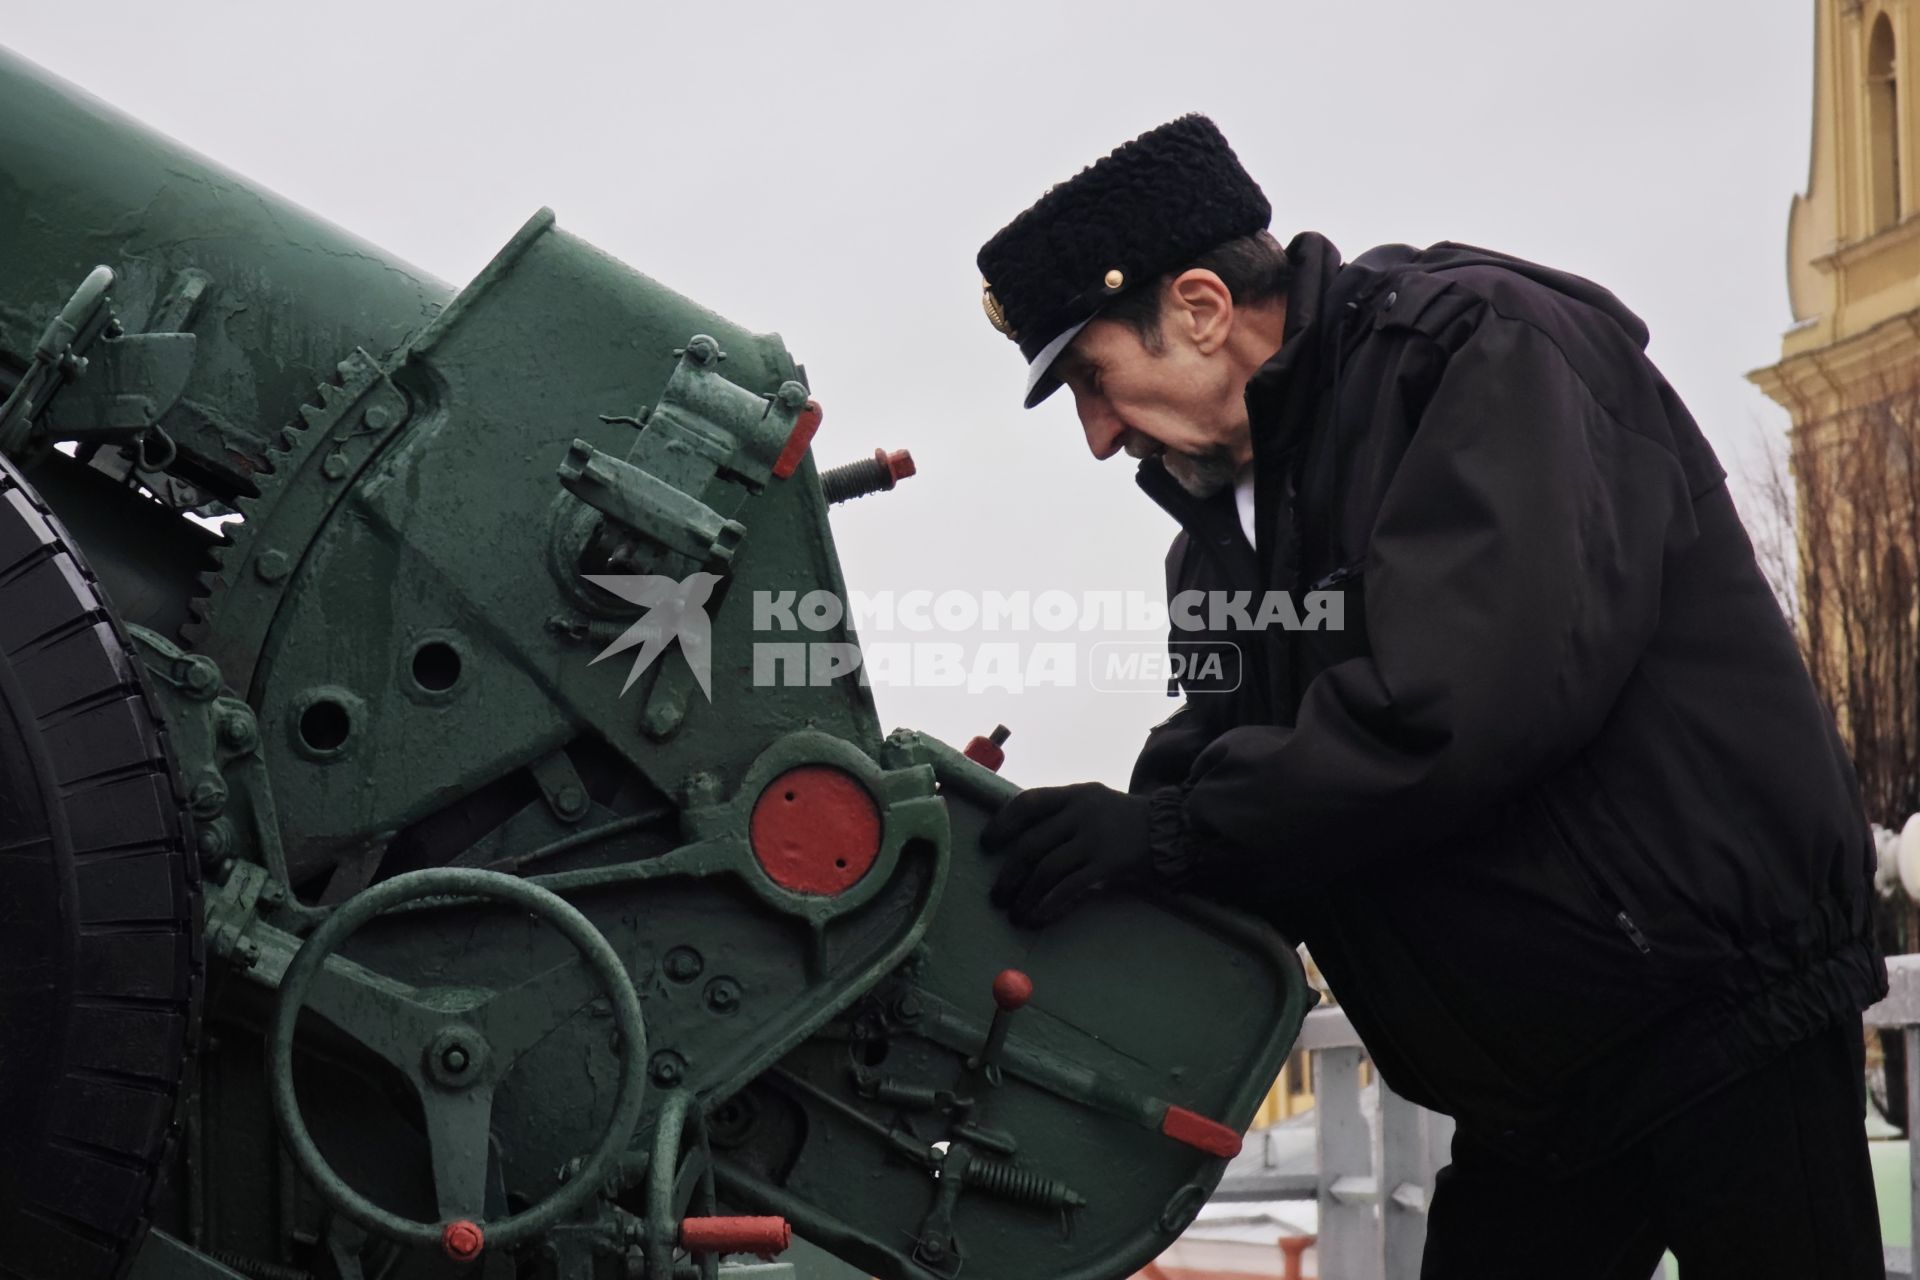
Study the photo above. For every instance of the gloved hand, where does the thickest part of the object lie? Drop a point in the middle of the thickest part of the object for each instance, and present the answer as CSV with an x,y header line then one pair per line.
x,y
1062,843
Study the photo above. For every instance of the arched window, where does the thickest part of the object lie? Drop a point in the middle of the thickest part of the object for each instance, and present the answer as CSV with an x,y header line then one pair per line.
x,y
1883,127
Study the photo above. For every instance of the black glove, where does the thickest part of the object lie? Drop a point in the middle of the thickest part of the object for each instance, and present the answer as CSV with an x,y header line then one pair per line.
x,y
1061,844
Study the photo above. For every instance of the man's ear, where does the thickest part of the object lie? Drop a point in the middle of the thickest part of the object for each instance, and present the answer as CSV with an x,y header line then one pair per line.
x,y
1200,307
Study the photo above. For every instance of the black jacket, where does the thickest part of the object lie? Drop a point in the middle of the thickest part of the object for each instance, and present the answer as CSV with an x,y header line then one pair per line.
x,y
1558,812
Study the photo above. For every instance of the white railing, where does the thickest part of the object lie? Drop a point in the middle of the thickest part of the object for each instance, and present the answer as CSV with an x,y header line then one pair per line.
x,y
1372,1179
1901,1009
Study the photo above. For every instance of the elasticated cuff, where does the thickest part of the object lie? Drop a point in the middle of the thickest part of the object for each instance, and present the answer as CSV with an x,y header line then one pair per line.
x,y
1168,838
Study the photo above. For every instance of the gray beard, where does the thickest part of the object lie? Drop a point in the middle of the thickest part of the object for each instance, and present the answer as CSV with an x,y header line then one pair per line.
x,y
1201,474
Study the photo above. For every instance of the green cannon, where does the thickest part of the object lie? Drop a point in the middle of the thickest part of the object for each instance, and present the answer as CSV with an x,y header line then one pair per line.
x,y
363,923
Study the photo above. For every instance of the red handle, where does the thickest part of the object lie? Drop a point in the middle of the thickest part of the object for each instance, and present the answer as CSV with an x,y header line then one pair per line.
x,y
762,1236
1012,989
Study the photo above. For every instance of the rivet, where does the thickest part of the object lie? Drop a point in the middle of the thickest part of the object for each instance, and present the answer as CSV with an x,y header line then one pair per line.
x,y
214,839
237,731
271,566
208,797
683,964
667,1068
1116,278
723,995
380,417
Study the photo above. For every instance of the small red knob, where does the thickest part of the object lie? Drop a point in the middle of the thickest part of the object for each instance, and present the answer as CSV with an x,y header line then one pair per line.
x,y
988,752
899,463
463,1240
1012,989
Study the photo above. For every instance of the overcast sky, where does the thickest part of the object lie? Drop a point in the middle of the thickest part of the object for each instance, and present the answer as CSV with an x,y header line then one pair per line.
x,y
828,171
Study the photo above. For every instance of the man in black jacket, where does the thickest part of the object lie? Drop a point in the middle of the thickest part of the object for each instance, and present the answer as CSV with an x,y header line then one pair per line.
x,y
1557,809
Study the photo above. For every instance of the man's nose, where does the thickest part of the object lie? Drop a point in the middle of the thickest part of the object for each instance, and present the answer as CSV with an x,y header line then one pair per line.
x,y
1103,428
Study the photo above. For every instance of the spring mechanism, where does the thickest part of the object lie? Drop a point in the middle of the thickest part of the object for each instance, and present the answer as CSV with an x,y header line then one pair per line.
x,y
254,1267
1022,1186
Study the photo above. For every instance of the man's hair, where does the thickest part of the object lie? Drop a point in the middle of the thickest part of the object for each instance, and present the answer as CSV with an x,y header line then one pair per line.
x,y
1254,268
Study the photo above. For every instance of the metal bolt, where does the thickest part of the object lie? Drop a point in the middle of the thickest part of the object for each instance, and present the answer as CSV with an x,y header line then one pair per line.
x,y
933,1248
667,1068
454,1059
335,467
571,801
214,840
723,995
683,964
907,1008
200,675
870,475
380,417
272,566
237,730
208,797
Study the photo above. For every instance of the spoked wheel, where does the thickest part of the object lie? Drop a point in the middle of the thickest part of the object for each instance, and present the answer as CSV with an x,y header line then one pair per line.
x,y
100,971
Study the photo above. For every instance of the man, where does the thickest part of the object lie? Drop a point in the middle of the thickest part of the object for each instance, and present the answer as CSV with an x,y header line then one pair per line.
x,y
1557,810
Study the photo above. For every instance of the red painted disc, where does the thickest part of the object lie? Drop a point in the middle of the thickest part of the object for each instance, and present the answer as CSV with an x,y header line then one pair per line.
x,y
815,830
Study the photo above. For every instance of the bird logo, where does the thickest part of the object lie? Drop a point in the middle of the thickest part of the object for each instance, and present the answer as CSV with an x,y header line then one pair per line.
x,y
676,609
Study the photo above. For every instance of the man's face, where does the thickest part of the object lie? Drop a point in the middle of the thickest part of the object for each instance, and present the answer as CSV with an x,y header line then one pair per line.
x,y
1181,401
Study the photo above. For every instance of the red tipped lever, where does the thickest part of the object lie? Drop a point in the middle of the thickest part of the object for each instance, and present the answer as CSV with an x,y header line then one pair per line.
x,y
763,1237
1011,991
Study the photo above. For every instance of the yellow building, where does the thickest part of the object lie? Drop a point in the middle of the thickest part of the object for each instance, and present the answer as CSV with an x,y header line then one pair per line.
x,y
1853,242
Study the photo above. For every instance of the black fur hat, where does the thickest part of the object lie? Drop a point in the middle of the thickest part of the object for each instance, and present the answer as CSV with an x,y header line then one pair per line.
x,y
1151,207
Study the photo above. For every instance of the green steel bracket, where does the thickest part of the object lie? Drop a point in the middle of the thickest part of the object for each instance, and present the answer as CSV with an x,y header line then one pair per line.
x,y
721,835
957,772
125,382
228,788
703,427
561,787
644,503
57,357
700,411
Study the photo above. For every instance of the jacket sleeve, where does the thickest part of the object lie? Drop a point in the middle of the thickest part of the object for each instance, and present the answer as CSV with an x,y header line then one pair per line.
x,y
1170,750
1512,580
1172,745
